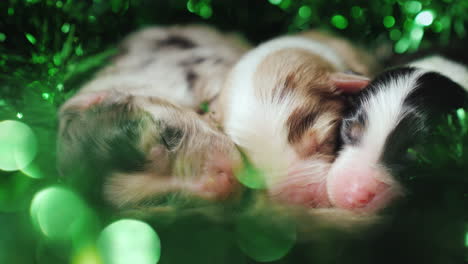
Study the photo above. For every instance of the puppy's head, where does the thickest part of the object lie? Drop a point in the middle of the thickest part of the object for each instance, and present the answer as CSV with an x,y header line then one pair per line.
x,y
134,151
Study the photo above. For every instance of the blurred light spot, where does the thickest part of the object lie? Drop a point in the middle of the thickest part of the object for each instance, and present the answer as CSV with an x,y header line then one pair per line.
x,y
206,11
19,115
466,239
129,241
59,87
18,145
52,71
305,12
204,107
45,96
339,21
461,114
87,255
11,11
402,45
191,6
413,6
356,12
57,59
417,33
38,59
275,2
30,38
65,28
92,18
425,18
58,213
59,4
2,37
395,34
389,21
265,239
250,176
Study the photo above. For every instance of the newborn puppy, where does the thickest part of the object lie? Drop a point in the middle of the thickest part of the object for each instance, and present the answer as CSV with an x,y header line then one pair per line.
x,y
127,131
393,113
282,105
185,65
144,151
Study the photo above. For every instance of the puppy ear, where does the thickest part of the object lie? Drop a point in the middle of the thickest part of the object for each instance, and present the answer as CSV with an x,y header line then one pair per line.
x,y
85,100
349,83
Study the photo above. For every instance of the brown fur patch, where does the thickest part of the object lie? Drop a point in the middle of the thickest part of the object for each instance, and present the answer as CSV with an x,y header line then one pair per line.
x,y
318,107
357,59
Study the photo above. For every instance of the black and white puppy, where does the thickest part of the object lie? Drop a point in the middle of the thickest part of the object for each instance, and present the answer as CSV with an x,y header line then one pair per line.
x,y
397,110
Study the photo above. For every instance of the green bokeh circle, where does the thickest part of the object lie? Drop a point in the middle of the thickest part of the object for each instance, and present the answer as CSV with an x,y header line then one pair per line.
x,y
129,241
265,239
58,213
18,145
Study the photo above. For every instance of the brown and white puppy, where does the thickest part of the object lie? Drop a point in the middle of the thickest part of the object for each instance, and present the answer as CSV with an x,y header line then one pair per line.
x,y
282,105
129,136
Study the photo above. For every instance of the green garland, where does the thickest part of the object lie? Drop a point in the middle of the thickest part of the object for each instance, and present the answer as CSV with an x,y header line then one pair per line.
x,y
48,48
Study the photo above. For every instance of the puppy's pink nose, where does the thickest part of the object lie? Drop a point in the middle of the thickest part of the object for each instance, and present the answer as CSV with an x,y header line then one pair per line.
x,y
361,189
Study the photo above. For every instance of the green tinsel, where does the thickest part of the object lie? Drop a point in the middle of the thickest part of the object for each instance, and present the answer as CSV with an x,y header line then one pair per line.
x,y
48,48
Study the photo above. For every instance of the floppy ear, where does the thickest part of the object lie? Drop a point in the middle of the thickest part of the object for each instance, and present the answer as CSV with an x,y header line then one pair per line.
x,y
85,100
349,83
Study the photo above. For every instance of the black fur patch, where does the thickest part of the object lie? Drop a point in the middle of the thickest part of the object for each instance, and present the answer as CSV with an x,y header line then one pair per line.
x,y
437,94
176,42
191,77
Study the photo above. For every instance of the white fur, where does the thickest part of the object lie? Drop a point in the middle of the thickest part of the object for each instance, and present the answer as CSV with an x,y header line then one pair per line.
x,y
257,125
455,71
385,109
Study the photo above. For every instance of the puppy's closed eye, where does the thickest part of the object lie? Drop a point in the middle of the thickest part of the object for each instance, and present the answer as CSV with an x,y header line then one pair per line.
x,y
171,137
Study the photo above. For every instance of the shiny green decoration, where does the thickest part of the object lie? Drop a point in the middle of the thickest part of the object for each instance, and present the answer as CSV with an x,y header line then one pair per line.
x,y
305,12
18,145
206,11
265,239
58,213
413,6
65,28
30,38
339,21
389,21
87,255
250,176
129,241
466,239
275,2
356,12
402,45
425,18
